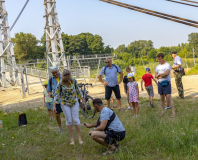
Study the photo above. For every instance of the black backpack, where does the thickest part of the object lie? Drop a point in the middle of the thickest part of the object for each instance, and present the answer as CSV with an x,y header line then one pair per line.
x,y
113,65
22,119
109,121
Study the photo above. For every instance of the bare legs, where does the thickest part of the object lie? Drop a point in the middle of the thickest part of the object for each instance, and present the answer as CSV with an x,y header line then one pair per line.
x,y
169,101
119,103
135,108
58,119
50,113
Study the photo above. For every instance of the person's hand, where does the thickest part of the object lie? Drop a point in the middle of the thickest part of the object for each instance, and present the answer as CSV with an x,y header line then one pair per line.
x,y
137,97
90,132
87,125
44,104
83,103
142,89
173,67
159,76
54,108
106,84
118,83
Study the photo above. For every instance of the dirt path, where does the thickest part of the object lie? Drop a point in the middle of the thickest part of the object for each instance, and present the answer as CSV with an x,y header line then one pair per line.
x,y
12,99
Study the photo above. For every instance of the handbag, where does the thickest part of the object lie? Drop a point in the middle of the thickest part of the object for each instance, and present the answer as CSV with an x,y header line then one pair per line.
x,y
164,83
183,72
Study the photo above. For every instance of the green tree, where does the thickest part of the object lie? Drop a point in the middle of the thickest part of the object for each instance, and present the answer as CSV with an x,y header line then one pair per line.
x,y
26,46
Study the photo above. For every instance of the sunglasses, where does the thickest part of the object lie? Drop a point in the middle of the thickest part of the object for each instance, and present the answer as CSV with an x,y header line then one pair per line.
x,y
106,62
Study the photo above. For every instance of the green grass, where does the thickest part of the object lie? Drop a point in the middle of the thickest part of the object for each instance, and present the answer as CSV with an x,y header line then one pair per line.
x,y
193,71
147,137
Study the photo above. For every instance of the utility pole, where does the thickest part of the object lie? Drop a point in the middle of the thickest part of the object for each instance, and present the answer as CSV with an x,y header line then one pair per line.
x,y
194,56
54,44
6,48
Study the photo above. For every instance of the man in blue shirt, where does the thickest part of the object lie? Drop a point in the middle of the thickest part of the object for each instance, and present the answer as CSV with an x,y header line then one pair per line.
x,y
51,89
111,82
108,129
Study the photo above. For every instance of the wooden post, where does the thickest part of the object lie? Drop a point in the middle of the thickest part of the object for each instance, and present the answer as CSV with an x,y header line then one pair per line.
x,y
22,82
26,79
97,71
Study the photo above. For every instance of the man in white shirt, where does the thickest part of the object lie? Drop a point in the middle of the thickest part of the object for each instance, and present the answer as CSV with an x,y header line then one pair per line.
x,y
162,73
177,70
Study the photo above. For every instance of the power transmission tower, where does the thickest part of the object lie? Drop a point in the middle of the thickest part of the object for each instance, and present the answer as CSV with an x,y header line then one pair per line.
x,y
6,49
54,44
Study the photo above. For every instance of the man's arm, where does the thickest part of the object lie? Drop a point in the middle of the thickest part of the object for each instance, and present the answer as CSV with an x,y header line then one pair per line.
x,y
102,125
155,80
90,125
165,74
100,79
121,76
156,75
142,85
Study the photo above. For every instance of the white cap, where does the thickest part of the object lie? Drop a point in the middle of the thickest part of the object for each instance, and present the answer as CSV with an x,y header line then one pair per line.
x,y
130,75
54,68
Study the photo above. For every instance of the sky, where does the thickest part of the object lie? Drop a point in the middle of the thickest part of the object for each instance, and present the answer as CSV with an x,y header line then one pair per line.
x,y
115,24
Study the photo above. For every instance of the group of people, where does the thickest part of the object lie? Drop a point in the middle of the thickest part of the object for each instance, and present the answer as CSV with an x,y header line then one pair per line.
x,y
62,94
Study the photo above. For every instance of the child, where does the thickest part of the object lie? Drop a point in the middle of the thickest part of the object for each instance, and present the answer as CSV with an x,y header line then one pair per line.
x,y
133,94
48,101
147,78
125,81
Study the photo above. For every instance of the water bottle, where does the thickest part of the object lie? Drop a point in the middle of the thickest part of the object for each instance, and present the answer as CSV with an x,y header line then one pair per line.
x,y
1,124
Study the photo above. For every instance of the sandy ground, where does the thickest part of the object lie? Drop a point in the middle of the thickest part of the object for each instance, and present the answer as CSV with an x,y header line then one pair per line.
x,y
11,98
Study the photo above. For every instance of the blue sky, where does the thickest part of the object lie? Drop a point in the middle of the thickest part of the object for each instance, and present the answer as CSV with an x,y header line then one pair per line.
x,y
116,25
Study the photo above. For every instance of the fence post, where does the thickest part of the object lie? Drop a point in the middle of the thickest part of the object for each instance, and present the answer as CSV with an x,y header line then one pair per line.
x,y
22,82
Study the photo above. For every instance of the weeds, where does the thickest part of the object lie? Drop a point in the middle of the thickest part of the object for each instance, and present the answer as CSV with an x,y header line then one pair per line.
x,y
147,137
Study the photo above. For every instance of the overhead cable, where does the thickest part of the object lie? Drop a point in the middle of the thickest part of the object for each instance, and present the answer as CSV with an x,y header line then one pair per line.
x,y
155,13
182,3
189,1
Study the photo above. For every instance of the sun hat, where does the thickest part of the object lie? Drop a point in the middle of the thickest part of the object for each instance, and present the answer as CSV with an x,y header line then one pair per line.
x,y
45,83
130,75
54,68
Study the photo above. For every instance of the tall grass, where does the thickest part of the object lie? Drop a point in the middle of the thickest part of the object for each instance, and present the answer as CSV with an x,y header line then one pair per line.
x,y
147,137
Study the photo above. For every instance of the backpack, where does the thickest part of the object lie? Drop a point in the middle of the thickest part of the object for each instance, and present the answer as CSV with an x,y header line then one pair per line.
x,y
109,121
113,65
22,119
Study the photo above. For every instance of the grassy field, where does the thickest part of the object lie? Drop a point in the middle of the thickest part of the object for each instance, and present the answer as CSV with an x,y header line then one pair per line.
x,y
147,137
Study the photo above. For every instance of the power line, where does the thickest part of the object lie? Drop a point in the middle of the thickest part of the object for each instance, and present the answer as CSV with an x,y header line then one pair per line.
x,y
19,15
155,13
190,1
182,3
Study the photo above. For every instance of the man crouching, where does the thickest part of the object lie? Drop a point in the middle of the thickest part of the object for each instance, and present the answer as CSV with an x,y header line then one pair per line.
x,y
108,129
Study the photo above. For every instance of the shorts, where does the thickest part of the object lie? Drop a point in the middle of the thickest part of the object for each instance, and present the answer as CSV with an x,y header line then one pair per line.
x,y
113,136
150,91
108,92
164,90
58,109
49,105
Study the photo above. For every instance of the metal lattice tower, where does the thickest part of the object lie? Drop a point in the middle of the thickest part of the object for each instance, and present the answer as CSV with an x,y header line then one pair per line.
x,y
54,45
6,49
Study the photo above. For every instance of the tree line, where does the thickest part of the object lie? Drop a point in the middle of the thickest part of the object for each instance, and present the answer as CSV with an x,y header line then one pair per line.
x,y
27,47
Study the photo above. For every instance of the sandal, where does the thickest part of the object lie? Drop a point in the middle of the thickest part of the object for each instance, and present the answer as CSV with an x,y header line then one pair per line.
x,y
60,130
173,115
110,151
72,143
116,144
81,142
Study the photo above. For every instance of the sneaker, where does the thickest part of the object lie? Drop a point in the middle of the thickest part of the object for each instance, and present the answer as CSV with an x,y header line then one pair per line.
x,y
137,116
134,116
152,106
129,107
167,108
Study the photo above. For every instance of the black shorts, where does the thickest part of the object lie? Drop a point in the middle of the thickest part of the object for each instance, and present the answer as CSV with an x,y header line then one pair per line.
x,y
108,92
58,109
113,136
164,90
